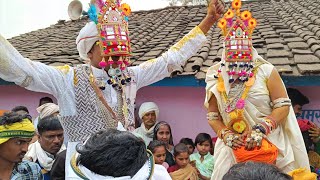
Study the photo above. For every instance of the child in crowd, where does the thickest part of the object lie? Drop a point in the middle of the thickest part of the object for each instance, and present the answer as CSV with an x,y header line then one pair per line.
x,y
158,149
203,159
182,170
189,143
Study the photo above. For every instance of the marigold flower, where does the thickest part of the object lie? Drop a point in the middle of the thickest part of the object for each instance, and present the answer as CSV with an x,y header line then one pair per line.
x,y
229,14
222,23
252,23
239,126
245,15
126,9
236,4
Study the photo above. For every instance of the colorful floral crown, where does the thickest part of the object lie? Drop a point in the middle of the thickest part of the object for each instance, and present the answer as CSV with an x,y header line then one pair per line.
x,y
111,19
237,28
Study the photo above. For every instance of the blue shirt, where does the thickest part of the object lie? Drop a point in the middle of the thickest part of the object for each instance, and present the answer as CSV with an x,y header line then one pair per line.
x,y
27,171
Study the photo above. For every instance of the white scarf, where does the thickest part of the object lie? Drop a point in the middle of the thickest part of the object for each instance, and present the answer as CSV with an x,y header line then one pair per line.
x,y
45,159
145,134
143,173
148,132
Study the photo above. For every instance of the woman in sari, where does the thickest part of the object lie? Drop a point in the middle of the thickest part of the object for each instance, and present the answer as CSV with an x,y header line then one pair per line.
x,y
247,104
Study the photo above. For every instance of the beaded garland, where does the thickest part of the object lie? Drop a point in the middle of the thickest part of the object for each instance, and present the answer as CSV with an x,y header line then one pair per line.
x,y
237,121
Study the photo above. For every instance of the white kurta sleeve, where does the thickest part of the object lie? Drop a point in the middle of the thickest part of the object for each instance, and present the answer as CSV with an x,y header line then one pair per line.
x,y
160,173
31,75
156,69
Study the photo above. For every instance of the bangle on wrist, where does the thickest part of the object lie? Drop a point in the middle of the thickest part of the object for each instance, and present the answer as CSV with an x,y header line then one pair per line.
x,y
223,132
212,116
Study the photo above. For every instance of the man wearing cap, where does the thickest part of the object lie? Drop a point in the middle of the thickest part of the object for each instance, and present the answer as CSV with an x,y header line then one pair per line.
x,y
87,103
16,131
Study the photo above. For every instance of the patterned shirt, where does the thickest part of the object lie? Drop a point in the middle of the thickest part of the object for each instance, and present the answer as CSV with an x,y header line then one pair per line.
x,y
206,166
27,171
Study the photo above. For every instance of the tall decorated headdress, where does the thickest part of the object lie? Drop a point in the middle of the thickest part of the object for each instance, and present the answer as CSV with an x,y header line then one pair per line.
x,y
111,18
237,28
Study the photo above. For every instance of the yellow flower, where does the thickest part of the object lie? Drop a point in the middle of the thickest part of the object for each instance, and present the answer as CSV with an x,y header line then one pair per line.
x,y
236,4
245,15
229,14
126,9
239,126
222,23
252,23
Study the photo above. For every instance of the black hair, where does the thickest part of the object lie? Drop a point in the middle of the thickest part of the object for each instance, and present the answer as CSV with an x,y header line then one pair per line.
x,y
154,144
11,117
49,123
187,141
20,108
297,98
156,129
180,148
45,100
255,171
113,153
202,137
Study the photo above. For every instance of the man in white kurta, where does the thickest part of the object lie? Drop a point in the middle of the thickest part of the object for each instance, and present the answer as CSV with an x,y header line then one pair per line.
x,y
58,81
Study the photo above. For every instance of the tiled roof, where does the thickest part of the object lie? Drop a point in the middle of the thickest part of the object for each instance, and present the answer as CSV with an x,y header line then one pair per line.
x,y
287,35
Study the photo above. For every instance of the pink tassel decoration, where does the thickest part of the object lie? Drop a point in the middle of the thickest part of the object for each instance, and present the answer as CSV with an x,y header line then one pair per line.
x,y
110,61
120,61
102,63
123,67
126,61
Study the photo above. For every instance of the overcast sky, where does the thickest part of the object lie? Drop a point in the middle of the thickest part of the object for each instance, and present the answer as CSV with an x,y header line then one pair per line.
x,y
21,16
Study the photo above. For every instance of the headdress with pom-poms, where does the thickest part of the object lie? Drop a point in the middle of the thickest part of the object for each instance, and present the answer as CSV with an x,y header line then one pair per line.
x,y
237,28
111,18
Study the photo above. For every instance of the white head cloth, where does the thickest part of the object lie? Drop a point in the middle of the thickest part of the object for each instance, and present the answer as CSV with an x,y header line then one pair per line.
x,y
47,109
148,107
86,39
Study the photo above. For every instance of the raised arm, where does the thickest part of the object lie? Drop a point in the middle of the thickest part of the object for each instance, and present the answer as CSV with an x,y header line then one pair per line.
x,y
31,75
161,67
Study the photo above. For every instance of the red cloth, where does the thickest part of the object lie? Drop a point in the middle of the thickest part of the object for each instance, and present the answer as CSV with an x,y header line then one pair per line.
x,y
304,124
173,168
